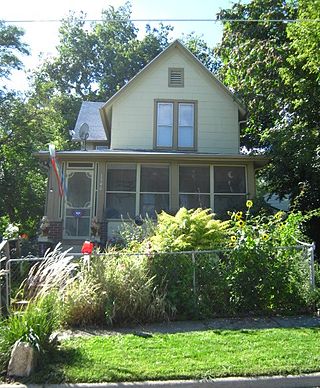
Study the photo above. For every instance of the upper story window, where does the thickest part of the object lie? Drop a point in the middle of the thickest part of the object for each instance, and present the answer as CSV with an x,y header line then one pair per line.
x,y
175,125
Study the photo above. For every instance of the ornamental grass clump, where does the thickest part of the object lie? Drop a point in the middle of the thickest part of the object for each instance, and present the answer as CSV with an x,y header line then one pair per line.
x,y
55,273
34,325
114,289
42,295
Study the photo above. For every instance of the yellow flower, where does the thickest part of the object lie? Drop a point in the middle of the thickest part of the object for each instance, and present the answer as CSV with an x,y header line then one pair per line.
x,y
241,223
278,216
264,236
239,215
233,238
249,203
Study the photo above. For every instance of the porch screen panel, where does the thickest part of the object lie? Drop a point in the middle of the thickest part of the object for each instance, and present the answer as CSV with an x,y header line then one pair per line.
x,y
229,189
225,203
154,189
229,179
121,191
194,186
78,203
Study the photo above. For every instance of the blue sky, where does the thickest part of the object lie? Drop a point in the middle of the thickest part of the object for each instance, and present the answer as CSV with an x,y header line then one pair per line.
x,y
43,37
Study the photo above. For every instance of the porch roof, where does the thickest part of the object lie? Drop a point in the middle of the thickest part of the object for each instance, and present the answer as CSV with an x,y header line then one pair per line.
x,y
258,161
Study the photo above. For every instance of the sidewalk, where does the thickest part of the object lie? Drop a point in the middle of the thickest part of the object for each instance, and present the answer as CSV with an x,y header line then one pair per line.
x,y
302,381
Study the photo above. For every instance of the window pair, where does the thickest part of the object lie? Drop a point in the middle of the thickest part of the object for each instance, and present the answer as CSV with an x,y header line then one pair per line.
x,y
175,125
136,189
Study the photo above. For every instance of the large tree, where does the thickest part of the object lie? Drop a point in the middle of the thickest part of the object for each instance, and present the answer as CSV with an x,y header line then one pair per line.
x,y
10,48
273,67
25,126
94,62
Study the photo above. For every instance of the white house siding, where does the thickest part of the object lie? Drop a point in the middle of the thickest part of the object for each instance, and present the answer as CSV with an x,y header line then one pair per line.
x,y
133,112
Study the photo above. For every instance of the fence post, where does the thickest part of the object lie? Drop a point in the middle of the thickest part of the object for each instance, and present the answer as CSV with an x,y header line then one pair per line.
x,y
194,275
312,275
8,282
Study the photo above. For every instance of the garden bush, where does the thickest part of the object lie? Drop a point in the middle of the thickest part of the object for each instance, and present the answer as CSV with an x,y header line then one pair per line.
x,y
255,268
114,289
33,325
265,272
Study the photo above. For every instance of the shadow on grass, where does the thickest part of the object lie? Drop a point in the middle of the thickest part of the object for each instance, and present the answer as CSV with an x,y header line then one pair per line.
x,y
51,366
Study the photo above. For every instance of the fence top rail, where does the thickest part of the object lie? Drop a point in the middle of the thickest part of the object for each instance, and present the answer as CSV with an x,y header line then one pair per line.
x,y
118,253
302,247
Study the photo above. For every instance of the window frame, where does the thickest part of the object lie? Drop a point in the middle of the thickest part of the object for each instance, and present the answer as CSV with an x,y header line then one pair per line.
x,y
213,194
175,127
138,192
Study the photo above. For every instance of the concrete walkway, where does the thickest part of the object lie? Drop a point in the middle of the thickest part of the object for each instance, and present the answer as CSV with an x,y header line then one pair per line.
x,y
301,381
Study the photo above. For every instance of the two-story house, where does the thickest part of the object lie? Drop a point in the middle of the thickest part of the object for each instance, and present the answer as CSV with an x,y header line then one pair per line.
x,y
169,138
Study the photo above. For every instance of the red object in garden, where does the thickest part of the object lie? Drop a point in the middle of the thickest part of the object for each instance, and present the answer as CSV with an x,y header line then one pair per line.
x,y
87,248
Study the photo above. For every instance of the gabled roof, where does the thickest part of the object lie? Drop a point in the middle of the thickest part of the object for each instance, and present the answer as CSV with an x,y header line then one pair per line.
x,y
174,45
89,113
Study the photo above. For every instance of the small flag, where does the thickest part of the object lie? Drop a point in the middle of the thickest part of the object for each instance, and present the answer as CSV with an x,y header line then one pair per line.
x,y
55,166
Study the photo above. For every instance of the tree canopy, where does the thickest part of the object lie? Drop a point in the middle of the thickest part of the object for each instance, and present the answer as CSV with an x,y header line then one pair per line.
x,y
94,63
273,69
10,47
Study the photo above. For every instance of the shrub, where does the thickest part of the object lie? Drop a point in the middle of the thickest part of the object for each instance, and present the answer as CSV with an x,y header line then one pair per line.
x,y
131,234
34,325
114,289
188,230
265,275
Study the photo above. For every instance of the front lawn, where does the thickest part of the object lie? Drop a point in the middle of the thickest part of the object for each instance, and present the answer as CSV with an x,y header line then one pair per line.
x,y
194,355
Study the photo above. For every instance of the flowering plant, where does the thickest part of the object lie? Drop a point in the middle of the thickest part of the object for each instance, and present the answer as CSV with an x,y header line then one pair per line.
x,y
11,232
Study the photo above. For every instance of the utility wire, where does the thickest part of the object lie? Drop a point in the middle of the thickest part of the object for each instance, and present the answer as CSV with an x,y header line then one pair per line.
x,y
173,20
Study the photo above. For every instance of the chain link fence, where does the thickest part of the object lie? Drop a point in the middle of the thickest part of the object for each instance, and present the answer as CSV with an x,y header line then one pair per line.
x,y
192,279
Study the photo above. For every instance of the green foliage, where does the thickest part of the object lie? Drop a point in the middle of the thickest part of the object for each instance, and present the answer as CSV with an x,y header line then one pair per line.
x,y
199,48
256,268
188,230
265,273
274,69
113,290
10,48
94,63
195,355
131,235
4,221
34,325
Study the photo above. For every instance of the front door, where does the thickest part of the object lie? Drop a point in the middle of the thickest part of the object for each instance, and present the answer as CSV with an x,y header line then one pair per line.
x,y
78,204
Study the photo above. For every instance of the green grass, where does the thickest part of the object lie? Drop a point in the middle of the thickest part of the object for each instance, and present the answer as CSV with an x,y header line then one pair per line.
x,y
193,355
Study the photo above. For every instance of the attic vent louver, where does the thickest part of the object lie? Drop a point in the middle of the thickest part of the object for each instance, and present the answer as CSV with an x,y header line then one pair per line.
x,y
176,77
